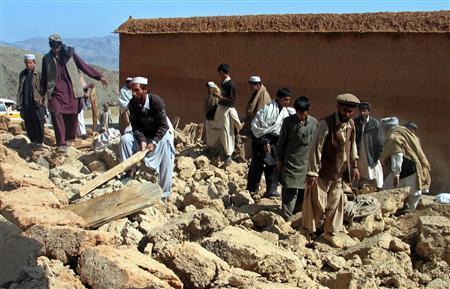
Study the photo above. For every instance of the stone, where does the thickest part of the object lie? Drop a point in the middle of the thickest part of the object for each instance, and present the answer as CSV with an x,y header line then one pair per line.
x,y
368,226
241,198
105,267
398,245
434,238
245,250
63,243
335,262
108,156
196,266
19,141
382,240
437,284
201,162
391,200
115,227
97,166
25,216
272,222
185,167
131,236
30,196
201,201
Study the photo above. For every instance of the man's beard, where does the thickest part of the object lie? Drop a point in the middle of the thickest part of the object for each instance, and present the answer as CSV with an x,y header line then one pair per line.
x,y
343,118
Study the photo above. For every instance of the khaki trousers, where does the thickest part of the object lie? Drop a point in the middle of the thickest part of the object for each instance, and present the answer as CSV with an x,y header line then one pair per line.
x,y
324,201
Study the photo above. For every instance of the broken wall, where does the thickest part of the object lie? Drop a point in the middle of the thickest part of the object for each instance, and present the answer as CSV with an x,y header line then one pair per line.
x,y
402,74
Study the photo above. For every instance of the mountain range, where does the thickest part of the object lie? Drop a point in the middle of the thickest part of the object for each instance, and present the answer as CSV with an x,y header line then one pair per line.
x,y
102,51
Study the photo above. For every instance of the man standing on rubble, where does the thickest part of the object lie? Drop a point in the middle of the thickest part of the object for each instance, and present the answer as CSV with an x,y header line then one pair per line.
x,y
152,131
333,154
295,139
61,83
226,121
31,102
369,141
403,156
259,98
266,128
124,98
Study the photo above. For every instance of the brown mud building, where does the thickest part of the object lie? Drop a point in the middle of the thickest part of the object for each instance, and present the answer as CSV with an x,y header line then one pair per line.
x,y
400,62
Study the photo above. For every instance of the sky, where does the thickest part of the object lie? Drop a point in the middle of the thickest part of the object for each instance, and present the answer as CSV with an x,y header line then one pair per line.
x,y
23,19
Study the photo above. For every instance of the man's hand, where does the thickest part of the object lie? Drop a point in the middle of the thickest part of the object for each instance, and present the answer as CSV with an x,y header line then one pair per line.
x,y
396,181
355,174
143,145
267,147
310,181
150,147
104,83
280,165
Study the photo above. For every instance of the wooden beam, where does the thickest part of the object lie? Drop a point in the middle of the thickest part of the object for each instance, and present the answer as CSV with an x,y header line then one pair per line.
x,y
106,176
101,210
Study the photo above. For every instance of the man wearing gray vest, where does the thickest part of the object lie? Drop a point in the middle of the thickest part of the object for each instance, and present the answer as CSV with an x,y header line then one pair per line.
x,y
61,83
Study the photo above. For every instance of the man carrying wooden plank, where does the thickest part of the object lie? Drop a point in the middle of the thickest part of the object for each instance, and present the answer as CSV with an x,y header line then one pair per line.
x,y
152,131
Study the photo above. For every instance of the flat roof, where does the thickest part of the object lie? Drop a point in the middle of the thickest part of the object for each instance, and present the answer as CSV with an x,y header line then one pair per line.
x,y
402,22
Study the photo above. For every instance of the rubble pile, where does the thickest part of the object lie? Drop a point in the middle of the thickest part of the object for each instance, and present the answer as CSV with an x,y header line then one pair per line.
x,y
211,233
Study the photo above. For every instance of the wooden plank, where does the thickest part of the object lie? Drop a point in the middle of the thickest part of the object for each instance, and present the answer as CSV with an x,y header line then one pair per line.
x,y
116,205
106,176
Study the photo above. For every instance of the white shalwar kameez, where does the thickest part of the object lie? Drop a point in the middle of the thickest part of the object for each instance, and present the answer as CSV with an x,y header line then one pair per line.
x,y
370,173
221,129
161,159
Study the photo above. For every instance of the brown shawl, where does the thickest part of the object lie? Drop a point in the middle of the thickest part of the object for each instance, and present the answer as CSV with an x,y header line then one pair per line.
x,y
257,102
401,140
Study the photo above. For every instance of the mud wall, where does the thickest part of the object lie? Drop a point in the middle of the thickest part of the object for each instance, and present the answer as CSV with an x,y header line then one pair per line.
x,y
402,74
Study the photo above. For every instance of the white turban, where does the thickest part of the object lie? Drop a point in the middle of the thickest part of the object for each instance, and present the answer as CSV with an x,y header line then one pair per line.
x,y
389,122
29,57
140,80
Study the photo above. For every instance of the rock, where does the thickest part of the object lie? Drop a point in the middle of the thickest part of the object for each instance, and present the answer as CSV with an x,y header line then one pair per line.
x,y
335,262
67,172
19,141
201,162
196,266
115,227
108,156
437,284
398,245
104,267
241,198
185,167
97,166
368,226
190,226
201,201
391,200
247,251
132,236
8,155
434,238
63,243
29,196
272,222
382,240
25,216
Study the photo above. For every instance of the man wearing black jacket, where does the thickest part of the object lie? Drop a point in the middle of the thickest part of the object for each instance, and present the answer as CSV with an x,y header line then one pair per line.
x,y
370,144
152,130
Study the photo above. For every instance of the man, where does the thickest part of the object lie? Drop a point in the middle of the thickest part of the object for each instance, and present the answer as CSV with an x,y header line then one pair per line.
x,y
333,154
62,84
296,134
152,130
259,98
105,118
266,128
124,98
404,157
226,119
369,141
31,101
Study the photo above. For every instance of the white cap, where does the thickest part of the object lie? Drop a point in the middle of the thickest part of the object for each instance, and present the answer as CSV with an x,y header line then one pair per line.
x,y
389,121
211,84
254,79
140,80
29,57
128,79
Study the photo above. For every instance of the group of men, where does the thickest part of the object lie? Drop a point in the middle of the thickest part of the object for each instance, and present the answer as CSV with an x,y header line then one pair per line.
x,y
311,159
314,160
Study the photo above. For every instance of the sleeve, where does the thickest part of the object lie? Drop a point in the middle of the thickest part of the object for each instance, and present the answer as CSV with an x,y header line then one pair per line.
x,y
85,68
396,163
281,147
43,82
315,153
161,117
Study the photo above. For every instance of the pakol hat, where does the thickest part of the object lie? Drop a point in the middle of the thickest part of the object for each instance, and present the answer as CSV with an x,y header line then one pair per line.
x,y
29,57
254,79
140,80
54,38
348,99
365,105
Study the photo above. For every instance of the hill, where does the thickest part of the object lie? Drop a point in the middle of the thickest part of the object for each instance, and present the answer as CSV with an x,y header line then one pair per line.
x,y
103,51
11,61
